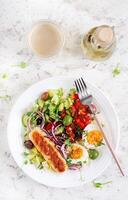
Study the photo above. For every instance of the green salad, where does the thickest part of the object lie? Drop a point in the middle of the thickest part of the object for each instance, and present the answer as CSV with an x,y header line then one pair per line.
x,y
64,119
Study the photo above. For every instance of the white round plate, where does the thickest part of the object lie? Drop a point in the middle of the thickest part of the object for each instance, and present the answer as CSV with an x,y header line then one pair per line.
x,y
68,178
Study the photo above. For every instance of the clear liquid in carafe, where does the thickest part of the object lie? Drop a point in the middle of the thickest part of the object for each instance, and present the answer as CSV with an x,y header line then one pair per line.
x,y
99,43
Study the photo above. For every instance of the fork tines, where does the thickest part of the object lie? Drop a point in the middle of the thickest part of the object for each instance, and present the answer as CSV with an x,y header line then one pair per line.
x,y
81,86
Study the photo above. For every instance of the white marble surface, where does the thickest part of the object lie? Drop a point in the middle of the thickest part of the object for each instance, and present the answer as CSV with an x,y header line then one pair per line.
x,y
76,17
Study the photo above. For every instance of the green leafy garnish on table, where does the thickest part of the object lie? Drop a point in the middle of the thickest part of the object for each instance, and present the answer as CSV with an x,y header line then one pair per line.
x,y
5,76
100,185
116,71
23,64
5,97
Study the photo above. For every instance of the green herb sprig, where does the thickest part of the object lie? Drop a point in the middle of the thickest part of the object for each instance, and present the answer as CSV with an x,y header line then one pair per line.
x,y
100,185
22,65
5,97
5,76
69,161
116,71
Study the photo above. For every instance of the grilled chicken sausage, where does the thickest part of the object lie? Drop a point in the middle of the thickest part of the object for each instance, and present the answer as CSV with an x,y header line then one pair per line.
x,y
48,150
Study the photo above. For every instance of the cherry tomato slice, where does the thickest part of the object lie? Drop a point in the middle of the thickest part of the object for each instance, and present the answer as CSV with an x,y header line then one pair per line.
x,y
73,111
77,104
70,132
75,96
48,126
63,114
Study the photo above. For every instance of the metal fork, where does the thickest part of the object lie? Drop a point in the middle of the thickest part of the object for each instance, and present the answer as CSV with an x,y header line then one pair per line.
x,y
86,98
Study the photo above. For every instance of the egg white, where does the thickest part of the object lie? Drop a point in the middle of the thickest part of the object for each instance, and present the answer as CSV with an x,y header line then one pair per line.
x,y
88,128
83,158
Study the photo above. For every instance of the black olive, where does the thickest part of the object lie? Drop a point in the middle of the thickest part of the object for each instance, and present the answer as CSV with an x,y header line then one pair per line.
x,y
78,135
28,144
39,121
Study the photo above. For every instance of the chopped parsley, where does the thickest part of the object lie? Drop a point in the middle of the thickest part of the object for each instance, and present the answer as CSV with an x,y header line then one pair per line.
x,y
100,185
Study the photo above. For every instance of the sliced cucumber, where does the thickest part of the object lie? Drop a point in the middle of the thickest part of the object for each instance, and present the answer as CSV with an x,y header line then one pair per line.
x,y
24,120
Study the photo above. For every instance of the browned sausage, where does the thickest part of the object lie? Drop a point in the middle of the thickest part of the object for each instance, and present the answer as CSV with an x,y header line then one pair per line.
x,y
48,150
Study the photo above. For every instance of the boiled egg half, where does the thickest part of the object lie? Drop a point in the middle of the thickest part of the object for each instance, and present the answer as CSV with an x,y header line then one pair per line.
x,y
78,154
93,136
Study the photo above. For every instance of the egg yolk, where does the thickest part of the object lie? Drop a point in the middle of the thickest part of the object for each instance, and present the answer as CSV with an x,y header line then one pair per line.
x,y
94,137
76,152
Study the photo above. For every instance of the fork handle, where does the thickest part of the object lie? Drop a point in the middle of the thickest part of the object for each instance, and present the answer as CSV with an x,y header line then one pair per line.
x,y
109,145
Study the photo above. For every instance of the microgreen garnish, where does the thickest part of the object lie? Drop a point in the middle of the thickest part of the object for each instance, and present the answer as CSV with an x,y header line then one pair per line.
x,y
22,65
84,161
25,153
26,162
40,166
99,144
68,143
5,76
116,71
79,163
5,97
100,185
69,161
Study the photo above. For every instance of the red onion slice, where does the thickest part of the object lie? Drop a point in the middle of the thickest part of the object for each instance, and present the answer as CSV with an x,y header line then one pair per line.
x,y
56,128
63,150
74,166
42,126
41,115
53,131
29,124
